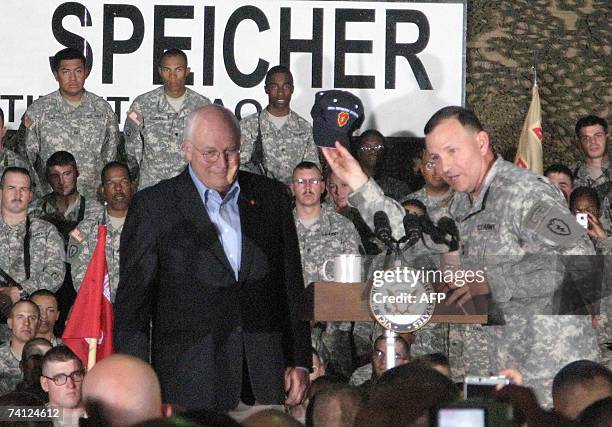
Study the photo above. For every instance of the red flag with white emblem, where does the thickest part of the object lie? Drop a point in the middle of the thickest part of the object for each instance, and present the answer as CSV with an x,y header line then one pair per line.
x,y
89,329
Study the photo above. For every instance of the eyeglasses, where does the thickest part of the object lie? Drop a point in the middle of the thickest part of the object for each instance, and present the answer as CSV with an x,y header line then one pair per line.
x,y
61,379
368,148
212,155
377,354
311,181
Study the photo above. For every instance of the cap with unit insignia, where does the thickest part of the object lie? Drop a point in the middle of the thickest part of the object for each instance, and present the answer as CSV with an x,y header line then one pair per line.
x,y
335,114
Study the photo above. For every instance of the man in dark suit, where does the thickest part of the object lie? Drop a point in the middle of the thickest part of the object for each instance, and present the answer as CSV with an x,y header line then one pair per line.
x,y
212,257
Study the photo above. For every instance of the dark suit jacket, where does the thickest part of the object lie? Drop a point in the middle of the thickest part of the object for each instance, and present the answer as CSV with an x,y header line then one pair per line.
x,y
174,269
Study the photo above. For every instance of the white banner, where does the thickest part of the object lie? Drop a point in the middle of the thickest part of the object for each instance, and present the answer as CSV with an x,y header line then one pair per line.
x,y
404,60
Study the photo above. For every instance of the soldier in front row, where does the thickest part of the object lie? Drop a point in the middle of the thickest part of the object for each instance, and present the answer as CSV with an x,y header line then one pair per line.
x,y
154,125
117,190
506,217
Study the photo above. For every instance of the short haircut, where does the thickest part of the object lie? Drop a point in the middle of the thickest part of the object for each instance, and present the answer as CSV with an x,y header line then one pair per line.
x,y
580,372
24,301
305,165
370,134
597,414
114,164
61,158
337,405
559,168
276,70
15,169
398,338
590,121
415,202
31,347
172,52
43,293
61,353
466,117
584,192
434,359
67,54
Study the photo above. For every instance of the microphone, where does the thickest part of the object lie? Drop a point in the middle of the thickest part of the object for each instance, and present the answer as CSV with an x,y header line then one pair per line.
x,y
382,228
448,226
412,227
434,232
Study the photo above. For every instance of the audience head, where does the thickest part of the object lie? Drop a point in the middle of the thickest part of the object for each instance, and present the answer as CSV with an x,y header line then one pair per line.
x,y
597,414
339,191
404,395
23,321
437,361
579,384
125,388
279,88
117,188
211,145
49,313
592,133
62,377
31,359
561,176
459,147
370,149
415,207
585,199
270,418
174,71
307,185
336,406
379,355
62,173
433,182
15,191
70,71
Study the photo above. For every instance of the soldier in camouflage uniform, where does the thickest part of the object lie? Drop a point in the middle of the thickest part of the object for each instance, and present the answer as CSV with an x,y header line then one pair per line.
x,y
22,322
154,125
70,119
286,138
323,234
8,157
40,267
596,170
117,190
506,216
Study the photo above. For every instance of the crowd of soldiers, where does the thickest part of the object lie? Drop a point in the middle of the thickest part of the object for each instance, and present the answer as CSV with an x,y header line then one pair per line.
x,y
68,170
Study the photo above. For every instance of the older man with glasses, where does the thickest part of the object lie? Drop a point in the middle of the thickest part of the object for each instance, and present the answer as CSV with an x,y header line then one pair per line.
x,y
62,378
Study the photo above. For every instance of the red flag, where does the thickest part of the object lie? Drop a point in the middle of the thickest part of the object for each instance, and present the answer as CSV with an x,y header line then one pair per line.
x,y
91,316
529,152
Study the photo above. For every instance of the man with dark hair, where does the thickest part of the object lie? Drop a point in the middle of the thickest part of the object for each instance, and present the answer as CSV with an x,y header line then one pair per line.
x,y
364,375
49,314
154,125
371,147
8,157
22,321
70,119
561,176
117,190
32,249
31,366
62,378
514,226
335,407
276,139
323,234
579,384
212,257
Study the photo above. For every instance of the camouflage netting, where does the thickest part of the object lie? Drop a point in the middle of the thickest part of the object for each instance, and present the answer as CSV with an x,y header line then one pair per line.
x,y
571,44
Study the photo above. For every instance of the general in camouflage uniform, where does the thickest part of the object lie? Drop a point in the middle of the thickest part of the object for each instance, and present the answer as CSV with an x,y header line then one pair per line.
x,y
286,138
154,125
509,216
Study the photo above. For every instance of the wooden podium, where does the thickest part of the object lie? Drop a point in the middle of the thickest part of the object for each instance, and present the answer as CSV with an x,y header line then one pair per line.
x,y
332,301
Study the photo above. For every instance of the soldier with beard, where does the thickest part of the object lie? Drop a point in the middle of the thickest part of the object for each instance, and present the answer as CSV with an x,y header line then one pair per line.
x,y
117,189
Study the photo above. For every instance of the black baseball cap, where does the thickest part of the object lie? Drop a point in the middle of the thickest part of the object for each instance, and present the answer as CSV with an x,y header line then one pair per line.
x,y
335,115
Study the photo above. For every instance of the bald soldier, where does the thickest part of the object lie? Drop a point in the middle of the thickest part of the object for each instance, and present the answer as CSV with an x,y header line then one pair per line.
x,y
505,216
126,388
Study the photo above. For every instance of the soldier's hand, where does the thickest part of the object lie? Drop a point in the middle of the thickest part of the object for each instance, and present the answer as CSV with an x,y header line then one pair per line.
x,y
459,295
345,166
296,384
12,292
595,228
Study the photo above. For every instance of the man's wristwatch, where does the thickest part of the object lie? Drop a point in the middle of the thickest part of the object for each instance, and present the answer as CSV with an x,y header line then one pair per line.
x,y
23,294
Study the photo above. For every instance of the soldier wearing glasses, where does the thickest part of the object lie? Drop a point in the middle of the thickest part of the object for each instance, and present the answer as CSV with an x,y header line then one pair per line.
x,y
62,378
